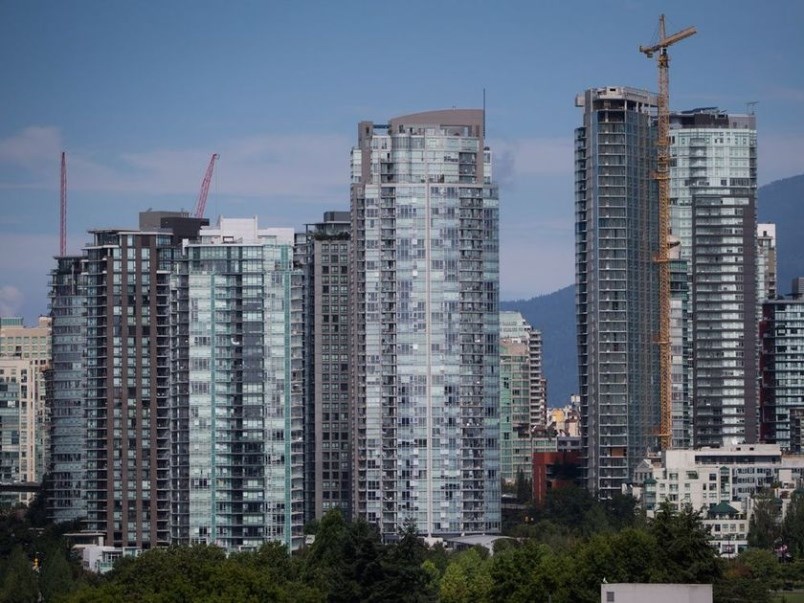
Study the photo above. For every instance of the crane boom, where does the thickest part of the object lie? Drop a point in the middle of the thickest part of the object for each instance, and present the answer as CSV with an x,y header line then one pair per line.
x,y
662,258
63,207
202,196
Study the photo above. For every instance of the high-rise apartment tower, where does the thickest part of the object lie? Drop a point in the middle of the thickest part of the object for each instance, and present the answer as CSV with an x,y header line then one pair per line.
x,y
617,303
713,213
322,253
236,453
425,325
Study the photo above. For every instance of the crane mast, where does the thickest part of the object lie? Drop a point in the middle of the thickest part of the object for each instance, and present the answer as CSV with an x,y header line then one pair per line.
x,y
63,207
662,257
202,196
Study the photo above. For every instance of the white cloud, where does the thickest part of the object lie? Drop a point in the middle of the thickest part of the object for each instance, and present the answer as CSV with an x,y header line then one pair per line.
x,y
11,300
295,166
33,154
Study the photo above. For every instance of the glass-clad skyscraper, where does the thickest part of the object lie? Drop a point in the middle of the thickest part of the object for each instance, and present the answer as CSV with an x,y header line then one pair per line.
x,y
522,403
617,301
66,384
713,212
782,370
237,414
425,325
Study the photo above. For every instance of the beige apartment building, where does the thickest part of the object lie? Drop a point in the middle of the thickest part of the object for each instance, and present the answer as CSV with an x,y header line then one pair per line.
x,y
24,359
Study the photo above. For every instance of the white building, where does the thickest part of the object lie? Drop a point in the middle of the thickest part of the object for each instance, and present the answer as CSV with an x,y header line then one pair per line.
x,y
656,593
719,482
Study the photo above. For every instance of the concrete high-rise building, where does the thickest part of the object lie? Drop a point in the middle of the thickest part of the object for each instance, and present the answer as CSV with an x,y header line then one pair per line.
x,y
67,385
24,361
782,370
29,343
127,401
425,325
713,214
322,252
538,383
516,436
236,453
766,263
176,385
617,301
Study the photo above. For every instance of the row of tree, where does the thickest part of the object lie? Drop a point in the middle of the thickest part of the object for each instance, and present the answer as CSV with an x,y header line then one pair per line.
x,y
561,553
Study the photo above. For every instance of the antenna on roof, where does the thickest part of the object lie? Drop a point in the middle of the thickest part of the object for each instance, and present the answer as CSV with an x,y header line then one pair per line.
x,y
750,107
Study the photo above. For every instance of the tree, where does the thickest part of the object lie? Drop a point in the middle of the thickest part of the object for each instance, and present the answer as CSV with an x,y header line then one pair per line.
x,y
523,573
467,578
344,562
631,555
749,577
686,555
621,510
19,585
793,524
404,576
524,487
764,527
55,575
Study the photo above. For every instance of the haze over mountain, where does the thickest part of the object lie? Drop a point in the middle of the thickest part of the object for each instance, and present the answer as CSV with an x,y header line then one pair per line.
x,y
780,202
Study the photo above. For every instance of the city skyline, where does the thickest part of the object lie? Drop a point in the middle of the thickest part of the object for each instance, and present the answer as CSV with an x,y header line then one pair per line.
x,y
139,99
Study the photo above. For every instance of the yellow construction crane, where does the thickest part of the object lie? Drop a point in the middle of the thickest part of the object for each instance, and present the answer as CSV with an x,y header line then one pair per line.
x,y
662,257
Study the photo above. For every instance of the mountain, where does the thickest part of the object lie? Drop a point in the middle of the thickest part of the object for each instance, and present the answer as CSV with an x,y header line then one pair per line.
x,y
780,202
554,315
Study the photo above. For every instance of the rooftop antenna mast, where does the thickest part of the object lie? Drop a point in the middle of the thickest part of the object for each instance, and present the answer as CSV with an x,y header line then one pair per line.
x,y
63,207
662,258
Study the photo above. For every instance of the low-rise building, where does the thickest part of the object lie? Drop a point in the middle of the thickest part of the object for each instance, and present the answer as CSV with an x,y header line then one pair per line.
x,y
656,593
718,482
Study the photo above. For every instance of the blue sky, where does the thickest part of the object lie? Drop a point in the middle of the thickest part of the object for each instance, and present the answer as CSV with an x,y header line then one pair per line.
x,y
140,94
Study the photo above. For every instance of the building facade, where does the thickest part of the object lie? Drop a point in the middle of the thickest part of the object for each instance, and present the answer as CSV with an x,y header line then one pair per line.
x,y
425,325
236,411
766,263
127,397
523,404
681,353
516,436
617,302
127,480
720,483
782,370
24,362
67,383
713,214
322,252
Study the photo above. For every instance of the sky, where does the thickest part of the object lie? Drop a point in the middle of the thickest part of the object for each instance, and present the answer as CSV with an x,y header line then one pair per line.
x,y
140,94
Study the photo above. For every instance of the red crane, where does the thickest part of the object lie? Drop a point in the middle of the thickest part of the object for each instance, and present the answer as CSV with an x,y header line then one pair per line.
x,y
63,207
202,196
